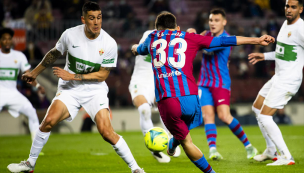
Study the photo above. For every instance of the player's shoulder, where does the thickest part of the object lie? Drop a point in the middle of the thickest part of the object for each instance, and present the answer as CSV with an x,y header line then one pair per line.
x,y
17,53
148,32
301,24
107,38
78,28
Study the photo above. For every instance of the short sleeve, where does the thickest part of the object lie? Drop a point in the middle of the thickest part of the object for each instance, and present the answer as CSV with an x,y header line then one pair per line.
x,y
24,65
62,44
110,57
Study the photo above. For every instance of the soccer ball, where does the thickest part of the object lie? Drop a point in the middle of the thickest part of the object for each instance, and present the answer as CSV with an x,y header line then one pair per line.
x,y
156,139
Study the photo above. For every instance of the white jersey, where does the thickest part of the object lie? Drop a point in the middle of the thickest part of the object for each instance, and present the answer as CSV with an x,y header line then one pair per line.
x,y
10,66
289,55
143,71
86,56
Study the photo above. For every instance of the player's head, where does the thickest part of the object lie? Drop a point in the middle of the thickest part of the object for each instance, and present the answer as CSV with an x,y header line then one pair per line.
x,y
217,21
293,9
166,20
6,39
191,30
91,17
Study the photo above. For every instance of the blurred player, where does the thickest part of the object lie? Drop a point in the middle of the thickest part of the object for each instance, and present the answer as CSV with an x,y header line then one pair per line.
x,y
11,63
172,53
142,91
91,53
289,60
214,88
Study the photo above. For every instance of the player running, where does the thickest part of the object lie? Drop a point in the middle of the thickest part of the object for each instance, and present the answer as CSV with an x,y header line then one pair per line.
x,y
91,53
214,88
142,92
11,63
172,53
275,94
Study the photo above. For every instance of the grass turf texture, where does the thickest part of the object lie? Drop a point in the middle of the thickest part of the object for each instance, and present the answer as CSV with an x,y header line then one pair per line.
x,y
88,153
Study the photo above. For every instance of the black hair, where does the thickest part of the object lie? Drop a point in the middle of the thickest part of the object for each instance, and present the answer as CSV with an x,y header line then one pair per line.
x,y
90,6
165,20
218,11
300,2
7,31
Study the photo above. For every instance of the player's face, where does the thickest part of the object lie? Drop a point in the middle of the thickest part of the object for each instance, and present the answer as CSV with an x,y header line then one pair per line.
x,y
6,42
217,23
292,10
93,21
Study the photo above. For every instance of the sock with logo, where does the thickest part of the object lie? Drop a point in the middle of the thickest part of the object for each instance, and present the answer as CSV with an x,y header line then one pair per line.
x,y
275,134
203,165
123,150
145,117
211,134
39,141
238,131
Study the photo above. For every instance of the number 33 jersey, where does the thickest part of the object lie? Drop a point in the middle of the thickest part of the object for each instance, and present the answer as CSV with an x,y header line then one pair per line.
x,y
172,55
86,56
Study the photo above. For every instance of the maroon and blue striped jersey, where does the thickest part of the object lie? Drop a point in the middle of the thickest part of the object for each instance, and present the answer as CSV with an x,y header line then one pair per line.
x,y
214,67
172,55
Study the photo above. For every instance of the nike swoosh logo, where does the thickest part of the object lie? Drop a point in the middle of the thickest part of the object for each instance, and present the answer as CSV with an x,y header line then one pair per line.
x,y
221,100
74,46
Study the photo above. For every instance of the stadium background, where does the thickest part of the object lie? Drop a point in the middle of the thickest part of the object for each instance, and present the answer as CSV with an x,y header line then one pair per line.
x,y
39,23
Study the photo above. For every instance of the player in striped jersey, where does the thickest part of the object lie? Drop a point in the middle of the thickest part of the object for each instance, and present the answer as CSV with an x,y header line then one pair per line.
x,y
172,53
214,88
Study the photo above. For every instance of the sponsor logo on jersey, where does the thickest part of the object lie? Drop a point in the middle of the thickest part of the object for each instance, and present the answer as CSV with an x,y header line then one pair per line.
x,y
9,74
108,61
172,74
147,58
80,66
101,52
286,52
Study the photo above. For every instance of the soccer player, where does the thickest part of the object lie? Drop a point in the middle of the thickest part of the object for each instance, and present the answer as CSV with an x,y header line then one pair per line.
x,y
172,53
91,53
214,88
142,92
11,63
289,60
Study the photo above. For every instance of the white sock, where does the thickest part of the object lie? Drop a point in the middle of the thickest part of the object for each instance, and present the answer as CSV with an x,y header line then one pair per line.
x,y
145,117
40,140
275,134
124,152
33,120
269,144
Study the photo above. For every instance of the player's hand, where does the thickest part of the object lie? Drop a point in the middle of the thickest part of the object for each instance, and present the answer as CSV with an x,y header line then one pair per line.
x,y
29,77
134,49
63,74
256,57
265,40
41,89
203,33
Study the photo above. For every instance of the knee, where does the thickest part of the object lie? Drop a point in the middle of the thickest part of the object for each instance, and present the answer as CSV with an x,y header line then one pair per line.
x,y
225,117
108,135
47,124
145,111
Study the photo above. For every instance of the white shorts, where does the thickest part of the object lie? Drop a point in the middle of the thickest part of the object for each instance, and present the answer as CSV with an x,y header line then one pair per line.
x,y
275,96
142,88
16,102
92,102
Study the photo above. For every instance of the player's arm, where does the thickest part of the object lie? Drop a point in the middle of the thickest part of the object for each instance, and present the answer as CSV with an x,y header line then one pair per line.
x,y
257,57
141,49
98,76
264,40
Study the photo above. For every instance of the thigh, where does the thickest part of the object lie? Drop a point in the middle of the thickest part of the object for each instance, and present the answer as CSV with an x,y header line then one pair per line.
x,y
191,111
15,101
171,114
221,96
70,102
144,89
205,96
277,97
265,89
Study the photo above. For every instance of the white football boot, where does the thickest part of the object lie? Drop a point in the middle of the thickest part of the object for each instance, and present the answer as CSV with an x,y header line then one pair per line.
x,y
266,155
161,157
282,161
23,166
177,152
139,171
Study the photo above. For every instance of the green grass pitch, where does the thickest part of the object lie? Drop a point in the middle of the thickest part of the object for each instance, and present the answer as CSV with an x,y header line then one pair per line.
x,y
88,153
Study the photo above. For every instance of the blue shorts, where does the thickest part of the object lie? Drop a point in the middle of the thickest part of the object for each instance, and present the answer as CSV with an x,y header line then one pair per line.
x,y
180,114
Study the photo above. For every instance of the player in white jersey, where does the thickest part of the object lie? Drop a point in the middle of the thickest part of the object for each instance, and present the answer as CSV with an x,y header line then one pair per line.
x,y
91,53
13,62
289,61
142,92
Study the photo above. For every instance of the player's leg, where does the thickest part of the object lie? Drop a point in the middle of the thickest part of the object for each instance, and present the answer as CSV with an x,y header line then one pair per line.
x,y
104,126
224,115
144,110
56,113
207,106
270,153
276,98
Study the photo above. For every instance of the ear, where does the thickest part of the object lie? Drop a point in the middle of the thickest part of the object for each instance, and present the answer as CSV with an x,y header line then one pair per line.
x,y
82,19
301,9
177,28
225,22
